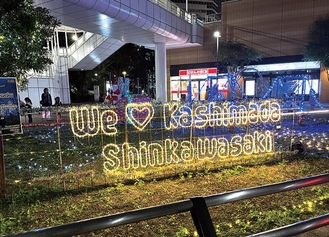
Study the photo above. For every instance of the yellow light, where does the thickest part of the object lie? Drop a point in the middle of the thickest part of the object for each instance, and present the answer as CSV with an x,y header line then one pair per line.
x,y
139,115
156,154
85,121
93,120
182,116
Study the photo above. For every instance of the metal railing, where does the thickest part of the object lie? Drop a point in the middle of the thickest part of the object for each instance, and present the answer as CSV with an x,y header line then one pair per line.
x,y
198,207
181,13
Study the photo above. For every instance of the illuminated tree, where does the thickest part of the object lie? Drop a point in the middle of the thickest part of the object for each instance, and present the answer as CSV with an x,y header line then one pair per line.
x,y
317,48
24,30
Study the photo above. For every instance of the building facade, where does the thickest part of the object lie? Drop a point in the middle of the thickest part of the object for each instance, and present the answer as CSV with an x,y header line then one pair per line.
x,y
202,8
278,30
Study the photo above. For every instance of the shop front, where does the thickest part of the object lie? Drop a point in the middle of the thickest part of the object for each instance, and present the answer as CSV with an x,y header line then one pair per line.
x,y
196,84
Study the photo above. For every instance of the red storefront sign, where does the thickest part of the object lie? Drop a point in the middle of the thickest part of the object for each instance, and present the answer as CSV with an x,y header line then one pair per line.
x,y
202,71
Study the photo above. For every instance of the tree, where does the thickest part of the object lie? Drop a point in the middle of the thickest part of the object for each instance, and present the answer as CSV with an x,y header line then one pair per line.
x,y
24,31
233,54
317,48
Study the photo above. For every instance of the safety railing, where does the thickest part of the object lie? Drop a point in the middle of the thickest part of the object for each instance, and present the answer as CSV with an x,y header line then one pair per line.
x,y
173,8
198,207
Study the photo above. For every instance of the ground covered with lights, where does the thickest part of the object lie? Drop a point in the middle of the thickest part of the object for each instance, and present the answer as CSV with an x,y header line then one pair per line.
x,y
54,178
36,207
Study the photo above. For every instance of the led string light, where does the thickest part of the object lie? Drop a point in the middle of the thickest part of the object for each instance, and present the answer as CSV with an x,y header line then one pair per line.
x,y
238,115
201,116
207,148
171,151
248,144
156,154
91,121
225,114
85,121
170,109
223,147
109,122
139,115
187,151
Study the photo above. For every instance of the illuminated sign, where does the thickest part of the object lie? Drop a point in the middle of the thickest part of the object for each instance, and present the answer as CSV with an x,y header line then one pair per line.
x,y
90,121
155,154
202,71
10,119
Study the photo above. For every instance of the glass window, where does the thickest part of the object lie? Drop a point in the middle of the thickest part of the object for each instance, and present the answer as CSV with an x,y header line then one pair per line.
x,y
250,87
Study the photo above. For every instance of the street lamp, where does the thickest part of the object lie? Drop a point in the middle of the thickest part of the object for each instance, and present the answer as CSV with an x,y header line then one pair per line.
x,y
124,82
217,35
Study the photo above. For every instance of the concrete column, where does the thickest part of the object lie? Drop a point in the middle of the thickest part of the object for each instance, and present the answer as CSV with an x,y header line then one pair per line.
x,y
160,72
61,84
324,86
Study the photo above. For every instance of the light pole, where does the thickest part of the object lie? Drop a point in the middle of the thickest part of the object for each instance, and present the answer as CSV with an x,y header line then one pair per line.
x,y
217,35
124,82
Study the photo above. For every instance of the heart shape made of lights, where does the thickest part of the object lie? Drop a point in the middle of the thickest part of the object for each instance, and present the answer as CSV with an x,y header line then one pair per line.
x,y
139,115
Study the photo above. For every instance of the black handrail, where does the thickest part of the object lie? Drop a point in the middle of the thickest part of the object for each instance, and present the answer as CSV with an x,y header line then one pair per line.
x,y
203,223
296,228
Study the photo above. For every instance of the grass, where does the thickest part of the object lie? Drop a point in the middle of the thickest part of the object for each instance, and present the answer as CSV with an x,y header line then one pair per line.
x,y
48,184
39,206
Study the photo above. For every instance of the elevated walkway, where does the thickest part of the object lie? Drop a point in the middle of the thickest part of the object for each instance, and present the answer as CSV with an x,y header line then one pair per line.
x,y
143,22
155,24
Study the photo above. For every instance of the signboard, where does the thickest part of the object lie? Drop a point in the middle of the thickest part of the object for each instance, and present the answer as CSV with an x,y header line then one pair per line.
x,y
202,71
10,119
150,152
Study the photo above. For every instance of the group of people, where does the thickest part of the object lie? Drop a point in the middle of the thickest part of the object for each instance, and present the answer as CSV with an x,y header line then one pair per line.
x,y
45,102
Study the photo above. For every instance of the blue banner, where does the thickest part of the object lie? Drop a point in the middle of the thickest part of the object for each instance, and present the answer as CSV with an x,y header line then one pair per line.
x,y
10,119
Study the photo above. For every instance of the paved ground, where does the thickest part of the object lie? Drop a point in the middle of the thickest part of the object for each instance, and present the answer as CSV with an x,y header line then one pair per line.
x,y
320,232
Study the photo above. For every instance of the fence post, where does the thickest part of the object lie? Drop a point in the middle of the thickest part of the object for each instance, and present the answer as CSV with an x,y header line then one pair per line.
x,y
2,169
201,218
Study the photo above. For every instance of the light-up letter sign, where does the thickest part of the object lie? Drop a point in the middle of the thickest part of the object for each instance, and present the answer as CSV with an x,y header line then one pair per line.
x,y
90,121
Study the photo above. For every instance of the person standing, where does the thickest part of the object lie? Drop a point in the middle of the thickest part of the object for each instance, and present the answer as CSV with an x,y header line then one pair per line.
x,y
28,106
46,102
58,103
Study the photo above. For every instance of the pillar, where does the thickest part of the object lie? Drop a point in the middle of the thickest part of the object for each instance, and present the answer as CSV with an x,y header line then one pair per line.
x,y
160,72
324,86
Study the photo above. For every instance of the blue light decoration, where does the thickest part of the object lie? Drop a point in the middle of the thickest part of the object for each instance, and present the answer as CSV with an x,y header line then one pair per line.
x,y
189,89
232,82
214,93
285,86
129,101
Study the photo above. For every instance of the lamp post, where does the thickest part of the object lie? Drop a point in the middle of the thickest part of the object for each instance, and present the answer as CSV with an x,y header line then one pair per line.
x,y
124,82
217,35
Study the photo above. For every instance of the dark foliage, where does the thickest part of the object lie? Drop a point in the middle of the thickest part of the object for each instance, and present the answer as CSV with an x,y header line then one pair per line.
x,y
317,48
24,31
